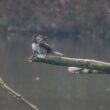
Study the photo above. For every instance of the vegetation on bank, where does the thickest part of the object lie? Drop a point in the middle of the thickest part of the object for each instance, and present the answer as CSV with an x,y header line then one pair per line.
x,y
81,19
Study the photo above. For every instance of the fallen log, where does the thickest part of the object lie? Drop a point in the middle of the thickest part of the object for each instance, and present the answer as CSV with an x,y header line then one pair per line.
x,y
72,62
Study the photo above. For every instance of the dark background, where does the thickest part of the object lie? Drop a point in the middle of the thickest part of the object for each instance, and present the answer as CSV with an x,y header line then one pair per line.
x,y
77,28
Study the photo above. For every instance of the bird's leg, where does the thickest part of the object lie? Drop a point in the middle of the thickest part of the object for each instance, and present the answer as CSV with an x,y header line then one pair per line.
x,y
33,55
46,55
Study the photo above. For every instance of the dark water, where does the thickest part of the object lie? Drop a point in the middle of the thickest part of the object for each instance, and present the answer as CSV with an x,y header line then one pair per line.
x,y
56,89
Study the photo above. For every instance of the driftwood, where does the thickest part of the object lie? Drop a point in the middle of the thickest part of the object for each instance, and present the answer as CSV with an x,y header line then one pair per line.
x,y
18,97
72,62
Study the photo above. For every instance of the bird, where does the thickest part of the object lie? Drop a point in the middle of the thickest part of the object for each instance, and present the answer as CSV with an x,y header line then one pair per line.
x,y
41,48
36,48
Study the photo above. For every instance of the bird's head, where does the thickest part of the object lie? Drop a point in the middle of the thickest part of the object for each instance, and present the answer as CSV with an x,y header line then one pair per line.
x,y
38,38
34,38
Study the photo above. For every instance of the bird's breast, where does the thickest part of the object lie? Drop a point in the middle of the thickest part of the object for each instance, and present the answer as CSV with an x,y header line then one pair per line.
x,y
38,48
35,46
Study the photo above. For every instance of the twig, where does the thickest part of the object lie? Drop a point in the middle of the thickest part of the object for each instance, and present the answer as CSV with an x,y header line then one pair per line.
x,y
20,98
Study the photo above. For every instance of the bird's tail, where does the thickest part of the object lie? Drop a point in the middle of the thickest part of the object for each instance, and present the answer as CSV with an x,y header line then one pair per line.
x,y
58,53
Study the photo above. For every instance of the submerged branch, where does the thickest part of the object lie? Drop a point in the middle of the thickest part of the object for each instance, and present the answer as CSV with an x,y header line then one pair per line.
x,y
20,98
73,62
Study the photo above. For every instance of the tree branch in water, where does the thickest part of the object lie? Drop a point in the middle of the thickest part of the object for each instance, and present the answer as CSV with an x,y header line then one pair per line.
x,y
20,98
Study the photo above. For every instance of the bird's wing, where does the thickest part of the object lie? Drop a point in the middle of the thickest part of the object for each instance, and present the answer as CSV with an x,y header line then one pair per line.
x,y
46,46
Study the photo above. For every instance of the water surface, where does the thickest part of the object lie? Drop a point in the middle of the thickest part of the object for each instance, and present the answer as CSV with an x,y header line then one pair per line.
x,y
52,87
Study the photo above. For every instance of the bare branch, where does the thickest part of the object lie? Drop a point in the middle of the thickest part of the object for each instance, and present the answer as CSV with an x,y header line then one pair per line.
x,y
20,98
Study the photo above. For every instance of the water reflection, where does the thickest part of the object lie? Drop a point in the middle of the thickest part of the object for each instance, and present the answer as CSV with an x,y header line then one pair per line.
x,y
52,87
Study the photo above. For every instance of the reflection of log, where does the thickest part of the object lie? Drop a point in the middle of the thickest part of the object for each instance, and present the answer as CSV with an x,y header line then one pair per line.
x,y
73,62
20,98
